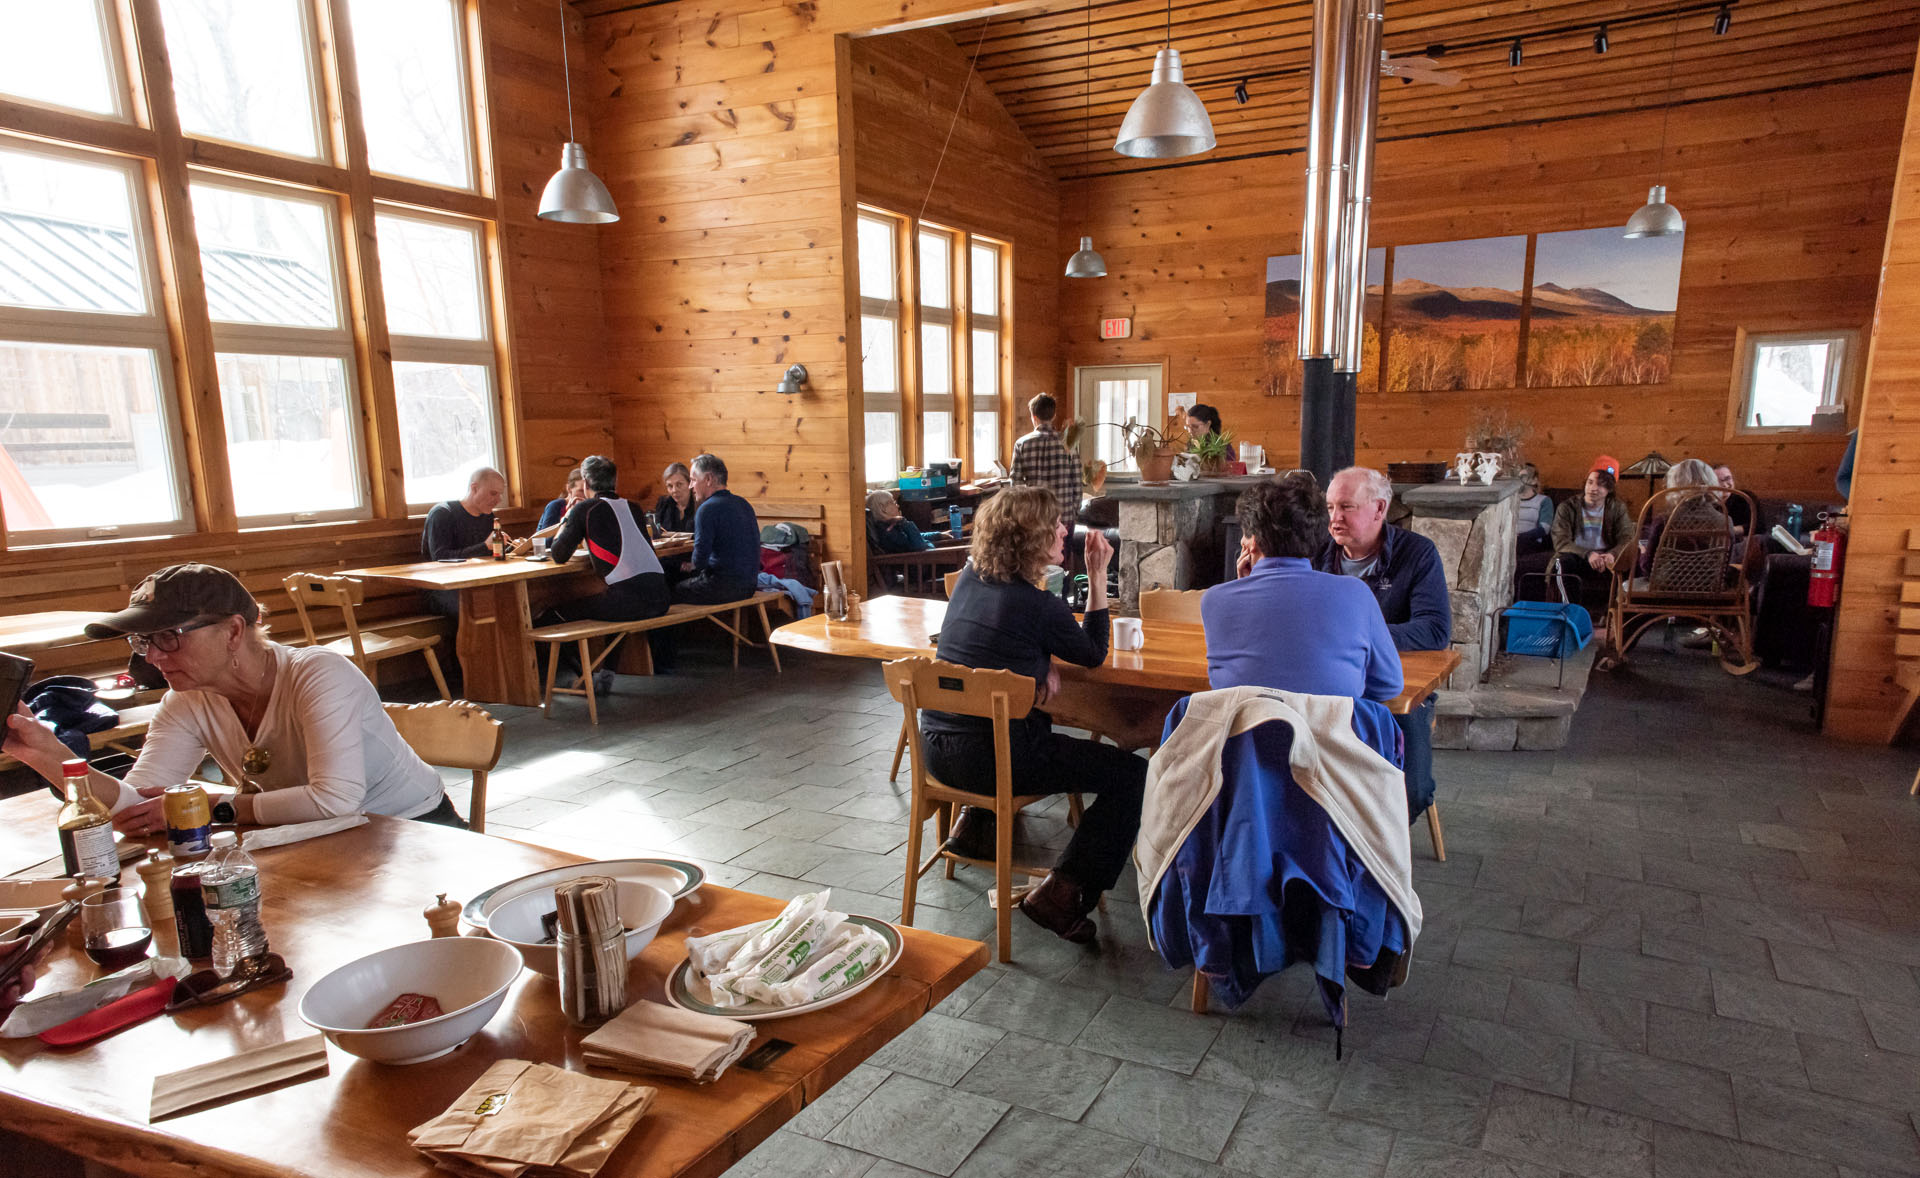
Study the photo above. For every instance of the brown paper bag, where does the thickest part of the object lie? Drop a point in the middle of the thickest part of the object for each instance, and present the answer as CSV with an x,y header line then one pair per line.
x,y
524,1118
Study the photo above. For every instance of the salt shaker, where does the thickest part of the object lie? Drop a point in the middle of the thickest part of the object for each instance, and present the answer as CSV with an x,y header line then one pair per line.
x,y
592,951
443,917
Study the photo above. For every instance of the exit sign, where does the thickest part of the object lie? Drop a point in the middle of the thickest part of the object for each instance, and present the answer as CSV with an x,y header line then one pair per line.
x,y
1116,328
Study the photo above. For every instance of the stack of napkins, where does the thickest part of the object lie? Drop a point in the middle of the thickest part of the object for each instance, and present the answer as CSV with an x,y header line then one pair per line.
x,y
532,1120
649,1037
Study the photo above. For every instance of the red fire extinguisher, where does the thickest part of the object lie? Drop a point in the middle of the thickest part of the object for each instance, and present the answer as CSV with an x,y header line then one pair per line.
x,y
1829,555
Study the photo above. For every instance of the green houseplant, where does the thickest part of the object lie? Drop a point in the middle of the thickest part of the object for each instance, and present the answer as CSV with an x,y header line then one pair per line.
x,y
1215,451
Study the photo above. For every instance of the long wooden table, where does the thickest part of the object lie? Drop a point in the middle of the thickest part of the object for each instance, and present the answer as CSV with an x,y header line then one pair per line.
x,y
498,599
1126,697
27,633
332,899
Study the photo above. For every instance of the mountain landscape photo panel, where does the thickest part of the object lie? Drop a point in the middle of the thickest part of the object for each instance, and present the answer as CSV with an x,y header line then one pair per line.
x,y
1600,311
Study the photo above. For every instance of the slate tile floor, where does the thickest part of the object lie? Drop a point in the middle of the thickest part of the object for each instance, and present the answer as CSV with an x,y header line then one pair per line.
x,y
1685,945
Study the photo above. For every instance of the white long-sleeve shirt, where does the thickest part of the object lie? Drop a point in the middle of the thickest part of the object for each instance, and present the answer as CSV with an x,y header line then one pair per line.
x,y
333,749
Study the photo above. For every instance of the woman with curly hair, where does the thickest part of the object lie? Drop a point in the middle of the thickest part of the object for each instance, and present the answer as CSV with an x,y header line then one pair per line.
x,y
998,620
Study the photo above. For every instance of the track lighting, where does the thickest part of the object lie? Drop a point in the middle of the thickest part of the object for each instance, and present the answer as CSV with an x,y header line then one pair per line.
x,y
1600,40
1516,53
1240,92
1722,21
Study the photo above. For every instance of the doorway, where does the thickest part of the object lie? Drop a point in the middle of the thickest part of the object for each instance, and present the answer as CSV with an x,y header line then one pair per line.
x,y
1107,396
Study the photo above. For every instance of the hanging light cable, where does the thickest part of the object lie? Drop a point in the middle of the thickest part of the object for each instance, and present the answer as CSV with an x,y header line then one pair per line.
x,y
1167,120
574,194
1086,261
1657,218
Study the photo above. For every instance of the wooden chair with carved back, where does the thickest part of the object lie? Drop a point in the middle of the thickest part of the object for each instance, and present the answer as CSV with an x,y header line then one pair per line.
x,y
366,648
454,734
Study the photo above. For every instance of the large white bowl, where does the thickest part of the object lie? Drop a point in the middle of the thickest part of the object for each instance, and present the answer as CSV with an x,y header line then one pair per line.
x,y
468,976
518,923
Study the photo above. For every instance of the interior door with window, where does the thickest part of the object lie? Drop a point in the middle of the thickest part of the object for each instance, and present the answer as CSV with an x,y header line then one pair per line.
x,y
1108,396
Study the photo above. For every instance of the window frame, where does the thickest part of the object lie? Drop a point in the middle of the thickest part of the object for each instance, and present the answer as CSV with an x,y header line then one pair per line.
x,y
1843,373
892,310
312,59
470,112
950,318
119,329
118,88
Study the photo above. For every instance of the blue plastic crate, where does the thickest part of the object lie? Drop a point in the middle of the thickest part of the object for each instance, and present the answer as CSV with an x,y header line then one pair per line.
x,y
1547,629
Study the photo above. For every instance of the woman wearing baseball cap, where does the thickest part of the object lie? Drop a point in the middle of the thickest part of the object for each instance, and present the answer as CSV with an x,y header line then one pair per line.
x,y
298,730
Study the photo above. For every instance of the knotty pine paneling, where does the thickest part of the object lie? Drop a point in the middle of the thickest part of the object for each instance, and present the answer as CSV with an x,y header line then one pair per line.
x,y
990,181
1862,698
1786,201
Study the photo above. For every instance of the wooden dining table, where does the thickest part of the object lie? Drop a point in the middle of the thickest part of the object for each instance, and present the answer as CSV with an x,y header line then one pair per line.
x,y
498,601
333,899
28,633
1126,697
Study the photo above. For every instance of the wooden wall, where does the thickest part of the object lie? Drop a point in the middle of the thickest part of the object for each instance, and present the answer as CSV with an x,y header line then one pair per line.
x,y
1785,197
559,410
985,178
1862,698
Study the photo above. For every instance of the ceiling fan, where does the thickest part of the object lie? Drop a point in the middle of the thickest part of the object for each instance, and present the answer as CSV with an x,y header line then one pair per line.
x,y
1416,69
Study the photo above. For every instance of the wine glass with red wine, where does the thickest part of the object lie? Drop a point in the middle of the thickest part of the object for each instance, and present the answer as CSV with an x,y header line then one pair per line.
x,y
115,929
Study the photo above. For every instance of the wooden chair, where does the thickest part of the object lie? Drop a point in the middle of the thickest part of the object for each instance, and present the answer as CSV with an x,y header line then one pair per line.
x,y
454,735
947,582
1000,696
1695,572
320,591
1171,605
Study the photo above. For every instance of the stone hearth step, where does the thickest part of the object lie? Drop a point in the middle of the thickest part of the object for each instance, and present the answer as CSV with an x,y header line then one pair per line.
x,y
1516,708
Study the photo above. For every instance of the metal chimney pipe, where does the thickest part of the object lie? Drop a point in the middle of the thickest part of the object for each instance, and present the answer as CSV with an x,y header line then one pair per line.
x,y
1365,95
1328,112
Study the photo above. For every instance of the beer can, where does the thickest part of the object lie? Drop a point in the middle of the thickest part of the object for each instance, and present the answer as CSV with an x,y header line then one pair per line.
x,y
189,821
190,921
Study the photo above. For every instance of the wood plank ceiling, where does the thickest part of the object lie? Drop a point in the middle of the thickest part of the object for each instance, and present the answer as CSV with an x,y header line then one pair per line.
x,y
1070,106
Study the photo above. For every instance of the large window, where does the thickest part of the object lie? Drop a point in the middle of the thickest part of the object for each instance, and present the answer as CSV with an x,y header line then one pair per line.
x,y
1789,381
933,316
332,279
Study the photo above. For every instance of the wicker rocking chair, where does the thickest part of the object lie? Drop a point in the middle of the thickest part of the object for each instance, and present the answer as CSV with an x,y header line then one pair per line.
x,y
1695,573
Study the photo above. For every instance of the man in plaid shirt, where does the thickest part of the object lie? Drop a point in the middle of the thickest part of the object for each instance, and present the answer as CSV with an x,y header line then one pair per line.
x,y
1040,460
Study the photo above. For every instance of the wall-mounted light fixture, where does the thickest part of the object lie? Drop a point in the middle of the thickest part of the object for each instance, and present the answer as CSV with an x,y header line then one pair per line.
x,y
794,381
1516,53
1600,40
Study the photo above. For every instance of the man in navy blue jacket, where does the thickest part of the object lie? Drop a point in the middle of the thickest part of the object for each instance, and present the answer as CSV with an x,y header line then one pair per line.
x,y
1404,571
726,541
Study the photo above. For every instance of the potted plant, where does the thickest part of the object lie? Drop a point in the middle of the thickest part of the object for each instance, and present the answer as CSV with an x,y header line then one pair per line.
x,y
1215,452
1152,450
1497,432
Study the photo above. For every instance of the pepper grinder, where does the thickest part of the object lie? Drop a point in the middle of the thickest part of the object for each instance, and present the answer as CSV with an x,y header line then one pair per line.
x,y
156,879
443,917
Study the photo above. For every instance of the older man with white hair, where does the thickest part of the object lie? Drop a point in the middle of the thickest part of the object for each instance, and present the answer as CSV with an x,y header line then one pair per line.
x,y
458,530
1404,571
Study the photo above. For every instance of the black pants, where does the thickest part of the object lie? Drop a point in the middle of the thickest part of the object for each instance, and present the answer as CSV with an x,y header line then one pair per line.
x,y
1049,763
632,600
445,602
443,815
707,588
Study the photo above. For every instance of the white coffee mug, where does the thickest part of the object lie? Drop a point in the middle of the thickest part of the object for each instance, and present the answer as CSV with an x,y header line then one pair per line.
x,y
1127,634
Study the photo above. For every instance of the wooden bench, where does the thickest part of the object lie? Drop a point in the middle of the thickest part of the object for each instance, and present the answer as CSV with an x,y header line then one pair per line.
x,y
583,633
132,727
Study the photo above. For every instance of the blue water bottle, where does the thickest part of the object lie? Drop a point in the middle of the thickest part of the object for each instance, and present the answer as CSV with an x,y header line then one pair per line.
x,y
957,517
1794,516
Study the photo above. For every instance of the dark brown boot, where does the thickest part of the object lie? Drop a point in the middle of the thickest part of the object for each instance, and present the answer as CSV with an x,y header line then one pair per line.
x,y
1060,905
972,834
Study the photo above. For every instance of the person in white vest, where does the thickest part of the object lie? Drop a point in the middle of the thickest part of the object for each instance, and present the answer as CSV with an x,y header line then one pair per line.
x,y
615,534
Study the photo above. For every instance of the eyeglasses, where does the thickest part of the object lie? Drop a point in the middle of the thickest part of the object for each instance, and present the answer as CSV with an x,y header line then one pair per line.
x,y
165,641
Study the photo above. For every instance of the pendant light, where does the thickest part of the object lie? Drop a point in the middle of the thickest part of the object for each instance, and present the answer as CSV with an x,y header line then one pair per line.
x,y
574,194
1086,262
1168,120
1657,218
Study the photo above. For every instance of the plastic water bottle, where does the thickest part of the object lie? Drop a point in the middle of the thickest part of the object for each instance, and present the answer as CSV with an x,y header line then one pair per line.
x,y
230,886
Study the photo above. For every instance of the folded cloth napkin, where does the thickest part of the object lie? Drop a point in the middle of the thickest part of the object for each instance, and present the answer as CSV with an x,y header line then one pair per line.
x,y
117,1015
298,832
532,1119
649,1037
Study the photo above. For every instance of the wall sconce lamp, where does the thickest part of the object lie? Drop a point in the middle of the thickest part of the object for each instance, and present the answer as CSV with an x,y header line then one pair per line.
x,y
794,381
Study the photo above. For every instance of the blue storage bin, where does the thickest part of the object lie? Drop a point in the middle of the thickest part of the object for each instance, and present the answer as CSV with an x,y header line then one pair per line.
x,y
1547,629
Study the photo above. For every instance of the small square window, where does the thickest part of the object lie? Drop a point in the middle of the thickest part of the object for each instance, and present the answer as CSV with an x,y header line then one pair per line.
x,y
1795,380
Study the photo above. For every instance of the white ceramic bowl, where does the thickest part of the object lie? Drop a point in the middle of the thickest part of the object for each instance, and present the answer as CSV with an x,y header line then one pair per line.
x,y
518,923
468,976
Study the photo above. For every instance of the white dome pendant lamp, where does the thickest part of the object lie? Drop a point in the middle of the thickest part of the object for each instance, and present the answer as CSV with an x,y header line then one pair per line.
x,y
1168,120
1657,218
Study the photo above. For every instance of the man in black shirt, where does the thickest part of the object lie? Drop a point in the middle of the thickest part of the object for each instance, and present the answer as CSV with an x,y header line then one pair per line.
x,y
726,541
458,530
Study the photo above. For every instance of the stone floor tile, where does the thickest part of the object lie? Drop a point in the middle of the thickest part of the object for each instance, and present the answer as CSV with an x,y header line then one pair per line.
x,y
1688,1153
937,1048
1728,1044
831,1106
1145,1032
1826,1127
1716,948
1280,1140
735,813
859,870
1877,941
1516,953
1796,1008
818,798
1026,1143
1496,1051
1164,1163
1658,1089
1895,1027
1868,1075
714,842
1414,1158
1168,1111
1834,900
1887,981
1608,1020
1650,900
791,1155
1045,1077
1526,878
859,834
1583,924
1259,1056
1697,877
1413,1098
1035,1008
1792,838
1380,1030
1746,857
1634,975
893,1122
779,855
1566,1135
803,825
